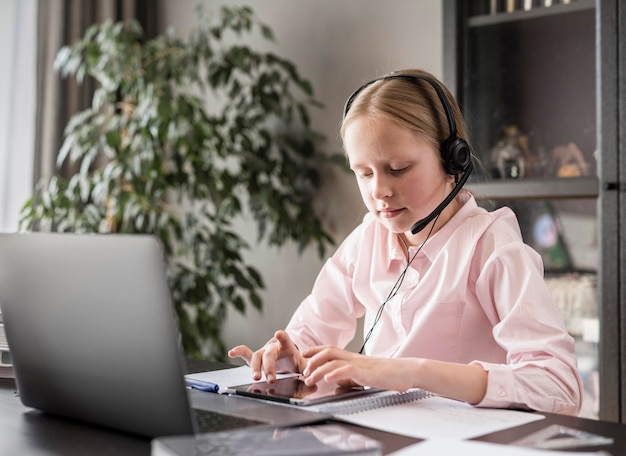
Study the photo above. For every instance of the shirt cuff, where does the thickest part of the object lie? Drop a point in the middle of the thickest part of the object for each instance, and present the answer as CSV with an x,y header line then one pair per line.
x,y
500,387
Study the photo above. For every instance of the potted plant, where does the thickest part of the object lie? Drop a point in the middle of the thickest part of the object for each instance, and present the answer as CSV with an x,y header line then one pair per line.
x,y
184,137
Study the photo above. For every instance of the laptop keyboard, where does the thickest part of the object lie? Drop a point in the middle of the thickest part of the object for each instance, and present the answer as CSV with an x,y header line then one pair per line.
x,y
208,421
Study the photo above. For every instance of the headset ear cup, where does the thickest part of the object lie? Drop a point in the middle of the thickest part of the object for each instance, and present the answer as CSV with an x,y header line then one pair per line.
x,y
457,157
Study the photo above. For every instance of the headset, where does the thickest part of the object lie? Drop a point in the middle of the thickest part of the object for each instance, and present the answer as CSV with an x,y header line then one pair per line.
x,y
455,152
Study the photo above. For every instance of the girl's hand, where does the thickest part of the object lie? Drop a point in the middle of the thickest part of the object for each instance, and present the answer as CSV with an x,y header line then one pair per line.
x,y
464,382
345,368
279,355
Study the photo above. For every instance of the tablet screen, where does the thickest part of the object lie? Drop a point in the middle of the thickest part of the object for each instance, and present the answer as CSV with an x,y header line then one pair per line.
x,y
293,390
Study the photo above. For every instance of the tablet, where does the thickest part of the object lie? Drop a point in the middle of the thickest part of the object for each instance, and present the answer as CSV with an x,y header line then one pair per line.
x,y
293,390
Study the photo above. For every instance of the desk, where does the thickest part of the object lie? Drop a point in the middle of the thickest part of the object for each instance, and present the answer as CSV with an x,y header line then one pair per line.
x,y
30,432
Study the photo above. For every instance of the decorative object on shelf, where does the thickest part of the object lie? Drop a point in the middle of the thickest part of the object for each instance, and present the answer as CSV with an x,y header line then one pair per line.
x,y
546,234
493,7
510,156
184,138
510,6
568,161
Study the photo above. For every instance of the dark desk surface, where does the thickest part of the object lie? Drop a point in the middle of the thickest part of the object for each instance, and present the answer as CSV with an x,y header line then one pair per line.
x,y
29,432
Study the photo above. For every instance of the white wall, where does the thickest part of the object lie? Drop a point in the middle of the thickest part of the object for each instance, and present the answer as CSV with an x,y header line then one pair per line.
x,y
337,45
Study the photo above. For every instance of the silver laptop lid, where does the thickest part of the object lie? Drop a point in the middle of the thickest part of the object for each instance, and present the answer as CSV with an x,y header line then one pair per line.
x,y
92,330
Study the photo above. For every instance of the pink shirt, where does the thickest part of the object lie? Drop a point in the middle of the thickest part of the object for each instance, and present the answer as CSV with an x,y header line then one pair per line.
x,y
474,294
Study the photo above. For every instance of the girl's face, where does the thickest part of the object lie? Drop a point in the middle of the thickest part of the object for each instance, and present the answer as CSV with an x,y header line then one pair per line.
x,y
399,173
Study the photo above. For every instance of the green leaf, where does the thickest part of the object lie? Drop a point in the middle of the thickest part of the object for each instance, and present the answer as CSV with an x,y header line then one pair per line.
x,y
267,32
256,301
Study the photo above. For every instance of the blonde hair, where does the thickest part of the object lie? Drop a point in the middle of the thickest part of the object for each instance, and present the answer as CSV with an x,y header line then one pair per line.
x,y
411,103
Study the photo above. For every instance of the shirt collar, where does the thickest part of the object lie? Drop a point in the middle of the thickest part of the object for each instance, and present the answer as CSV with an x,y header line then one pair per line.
x,y
436,242
395,248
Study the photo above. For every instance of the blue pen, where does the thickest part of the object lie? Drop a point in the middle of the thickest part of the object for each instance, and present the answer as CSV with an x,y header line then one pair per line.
x,y
202,386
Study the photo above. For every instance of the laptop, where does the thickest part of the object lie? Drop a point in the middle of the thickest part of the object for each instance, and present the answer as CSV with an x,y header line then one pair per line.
x,y
92,333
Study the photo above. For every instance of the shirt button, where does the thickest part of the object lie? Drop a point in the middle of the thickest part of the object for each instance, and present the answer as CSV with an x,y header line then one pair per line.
x,y
501,393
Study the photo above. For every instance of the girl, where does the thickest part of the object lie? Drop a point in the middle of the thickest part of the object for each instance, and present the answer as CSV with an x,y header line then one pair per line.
x,y
455,303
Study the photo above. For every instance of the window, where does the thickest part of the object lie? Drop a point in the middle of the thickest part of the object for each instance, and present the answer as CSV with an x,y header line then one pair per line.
x,y
18,33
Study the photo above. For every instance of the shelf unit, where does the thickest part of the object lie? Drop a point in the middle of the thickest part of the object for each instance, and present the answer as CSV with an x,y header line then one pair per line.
x,y
554,72
512,189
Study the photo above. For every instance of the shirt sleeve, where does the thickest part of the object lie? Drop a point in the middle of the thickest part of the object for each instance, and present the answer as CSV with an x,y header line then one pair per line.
x,y
540,372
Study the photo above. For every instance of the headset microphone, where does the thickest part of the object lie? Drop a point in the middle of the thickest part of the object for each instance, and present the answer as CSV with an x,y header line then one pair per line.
x,y
423,223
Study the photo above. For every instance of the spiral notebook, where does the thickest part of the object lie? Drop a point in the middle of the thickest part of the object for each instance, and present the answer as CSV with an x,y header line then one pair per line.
x,y
421,414
373,401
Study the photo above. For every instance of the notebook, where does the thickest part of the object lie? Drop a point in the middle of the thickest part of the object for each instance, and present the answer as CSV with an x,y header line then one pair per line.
x,y
92,333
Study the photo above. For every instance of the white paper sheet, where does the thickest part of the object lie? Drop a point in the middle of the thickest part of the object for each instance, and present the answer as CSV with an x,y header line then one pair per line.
x,y
438,417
